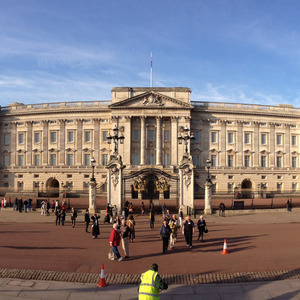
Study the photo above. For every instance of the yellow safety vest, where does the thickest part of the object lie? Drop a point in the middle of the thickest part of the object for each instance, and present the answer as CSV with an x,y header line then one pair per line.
x,y
147,290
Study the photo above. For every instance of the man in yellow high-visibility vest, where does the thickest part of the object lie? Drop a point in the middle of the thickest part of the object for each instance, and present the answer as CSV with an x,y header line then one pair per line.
x,y
151,284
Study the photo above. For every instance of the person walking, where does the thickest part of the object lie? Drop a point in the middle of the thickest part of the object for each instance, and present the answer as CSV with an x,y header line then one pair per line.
x,y
180,217
20,205
114,241
95,227
143,208
63,217
73,216
152,219
57,215
4,202
201,227
87,220
125,233
165,232
173,235
114,212
29,204
25,205
151,284
189,230
131,225
15,207
223,210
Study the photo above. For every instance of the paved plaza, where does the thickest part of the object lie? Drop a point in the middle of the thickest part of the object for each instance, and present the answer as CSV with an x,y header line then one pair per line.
x,y
260,244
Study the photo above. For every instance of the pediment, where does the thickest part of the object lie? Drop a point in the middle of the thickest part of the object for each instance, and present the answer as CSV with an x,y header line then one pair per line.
x,y
151,100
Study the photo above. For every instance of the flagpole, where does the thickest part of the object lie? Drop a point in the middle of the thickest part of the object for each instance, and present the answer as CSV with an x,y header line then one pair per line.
x,y
151,74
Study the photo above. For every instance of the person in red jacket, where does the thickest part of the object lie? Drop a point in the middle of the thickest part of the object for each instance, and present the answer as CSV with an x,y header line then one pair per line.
x,y
115,241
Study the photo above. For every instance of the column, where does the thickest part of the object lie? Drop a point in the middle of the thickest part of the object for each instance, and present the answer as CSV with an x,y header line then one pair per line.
x,y
286,159
62,137
126,147
222,140
45,143
256,141
29,143
271,157
143,139
174,141
158,140
13,139
240,143
92,196
96,140
208,190
79,142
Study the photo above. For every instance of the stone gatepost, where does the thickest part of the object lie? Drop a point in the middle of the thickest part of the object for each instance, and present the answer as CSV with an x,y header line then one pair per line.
x,y
115,181
186,182
92,196
208,193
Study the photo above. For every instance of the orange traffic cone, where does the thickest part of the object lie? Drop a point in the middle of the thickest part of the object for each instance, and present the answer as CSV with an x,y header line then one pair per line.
x,y
102,282
225,248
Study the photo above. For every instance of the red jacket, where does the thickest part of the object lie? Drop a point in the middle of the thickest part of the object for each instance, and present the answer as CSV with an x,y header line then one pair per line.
x,y
115,238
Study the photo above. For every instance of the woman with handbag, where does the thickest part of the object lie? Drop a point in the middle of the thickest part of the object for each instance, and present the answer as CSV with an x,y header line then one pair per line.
x,y
201,227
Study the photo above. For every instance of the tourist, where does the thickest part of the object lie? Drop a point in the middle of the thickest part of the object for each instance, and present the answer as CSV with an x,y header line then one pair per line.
x,y
151,284
118,221
125,233
107,215
20,205
223,210
152,219
25,205
165,232
180,217
58,215
131,225
163,210
168,215
173,235
4,202
15,207
143,208
201,227
95,227
115,241
43,208
114,211
189,230
87,220
63,216
29,204
73,216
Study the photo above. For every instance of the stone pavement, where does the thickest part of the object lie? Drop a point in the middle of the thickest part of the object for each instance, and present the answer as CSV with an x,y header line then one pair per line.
x,y
26,289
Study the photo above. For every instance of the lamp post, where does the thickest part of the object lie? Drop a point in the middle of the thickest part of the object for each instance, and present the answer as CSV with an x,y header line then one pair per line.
x,y
115,138
208,165
92,189
186,137
208,190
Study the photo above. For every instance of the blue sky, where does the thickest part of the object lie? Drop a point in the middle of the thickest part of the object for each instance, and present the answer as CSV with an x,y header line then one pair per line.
x,y
244,51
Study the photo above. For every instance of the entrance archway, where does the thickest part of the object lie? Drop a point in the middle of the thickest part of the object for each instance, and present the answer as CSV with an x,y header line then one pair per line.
x,y
52,187
246,188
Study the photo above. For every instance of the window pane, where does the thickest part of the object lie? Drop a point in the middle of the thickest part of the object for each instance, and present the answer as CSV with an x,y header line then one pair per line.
x,y
6,139
53,159
166,135
279,160
213,137
104,136
247,161
247,138
37,137
21,138
196,135
230,137
278,137
151,159
87,136
213,160
263,161
6,160
135,159
136,135
151,135
196,160
294,140
104,159
263,139
36,159
70,159
21,160
70,136
294,162
53,137
87,159
166,159
230,160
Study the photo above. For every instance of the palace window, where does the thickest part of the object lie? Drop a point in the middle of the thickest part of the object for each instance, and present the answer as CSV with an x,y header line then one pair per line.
x,y
247,138
6,139
197,136
166,159
135,159
104,159
151,158
213,159
53,137
294,140
247,161
294,186
53,160
21,138
104,135
150,135
213,137
21,160
294,162
87,159
136,135
263,139
263,161
70,159
70,136
196,160
166,135
230,161
87,136
6,162
37,137
279,139
279,161
36,159
230,138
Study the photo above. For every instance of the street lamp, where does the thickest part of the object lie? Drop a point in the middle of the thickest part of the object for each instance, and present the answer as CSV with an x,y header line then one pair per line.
x,y
115,137
185,137
208,165
93,164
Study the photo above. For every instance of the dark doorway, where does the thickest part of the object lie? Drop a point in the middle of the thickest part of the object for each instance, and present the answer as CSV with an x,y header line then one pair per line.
x,y
246,189
52,187
150,192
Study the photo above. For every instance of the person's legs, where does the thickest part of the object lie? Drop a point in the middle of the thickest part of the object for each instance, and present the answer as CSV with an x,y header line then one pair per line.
x,y
190,239
86,227
186,239
171,241
116,251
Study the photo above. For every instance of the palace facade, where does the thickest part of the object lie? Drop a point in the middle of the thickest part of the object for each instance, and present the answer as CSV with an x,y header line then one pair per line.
x,y
47,148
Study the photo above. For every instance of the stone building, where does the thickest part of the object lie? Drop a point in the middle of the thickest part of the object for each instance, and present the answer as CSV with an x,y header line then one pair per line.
x,y
47,148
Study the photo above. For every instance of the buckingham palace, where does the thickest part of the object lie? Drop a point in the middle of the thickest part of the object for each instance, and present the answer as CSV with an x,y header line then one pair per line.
x,y
245,150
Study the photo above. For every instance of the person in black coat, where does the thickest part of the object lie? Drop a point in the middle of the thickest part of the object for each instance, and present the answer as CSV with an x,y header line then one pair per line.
x,y
87,220
20,205
95,226
201,227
